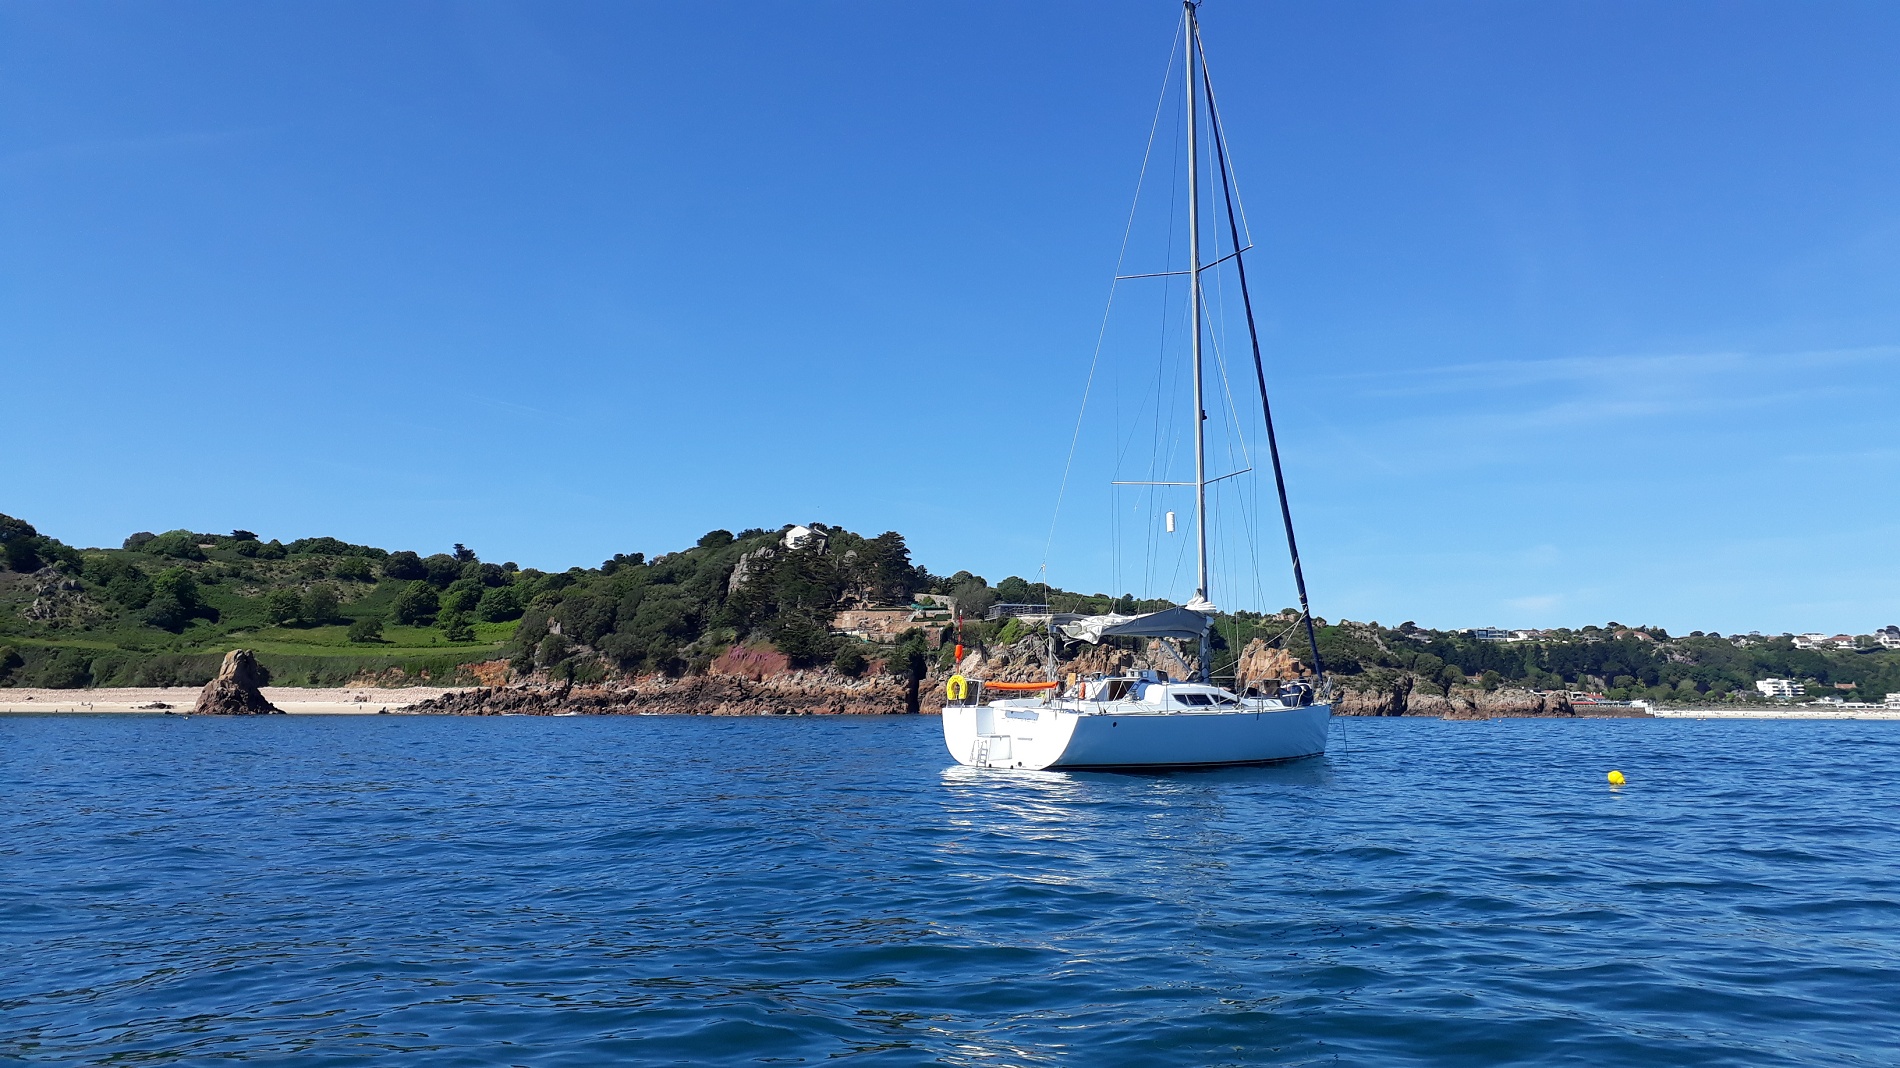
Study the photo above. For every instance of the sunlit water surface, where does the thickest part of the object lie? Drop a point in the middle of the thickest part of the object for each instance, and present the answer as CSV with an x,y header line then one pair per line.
x,y
581,891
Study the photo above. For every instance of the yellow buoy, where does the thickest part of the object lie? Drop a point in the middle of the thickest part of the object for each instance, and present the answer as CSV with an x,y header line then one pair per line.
x,y
1616,778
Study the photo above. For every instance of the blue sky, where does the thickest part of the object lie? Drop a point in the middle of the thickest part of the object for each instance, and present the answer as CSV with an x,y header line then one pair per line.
x,y
1574,311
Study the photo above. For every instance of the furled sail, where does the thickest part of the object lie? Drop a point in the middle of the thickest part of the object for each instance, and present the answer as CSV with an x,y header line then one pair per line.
x,y
1167,623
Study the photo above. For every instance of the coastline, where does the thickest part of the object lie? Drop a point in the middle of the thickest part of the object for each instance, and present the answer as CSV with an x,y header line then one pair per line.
x,y
739,697
294,700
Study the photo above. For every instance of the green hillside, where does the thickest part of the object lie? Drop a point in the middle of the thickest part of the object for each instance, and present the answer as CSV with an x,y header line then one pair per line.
x,y
163,609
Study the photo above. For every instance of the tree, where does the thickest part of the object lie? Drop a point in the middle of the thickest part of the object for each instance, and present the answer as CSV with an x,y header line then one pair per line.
x,y
282,606
21,553
462,596
499,605
803,642
442,569
455,627
1013,590
404,566
416,603
909,659
367,629
320,606
175,601
885,569
715,539
973,596
463,554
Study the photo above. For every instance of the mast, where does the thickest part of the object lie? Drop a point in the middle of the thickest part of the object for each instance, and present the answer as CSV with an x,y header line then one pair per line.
x,y
1194,316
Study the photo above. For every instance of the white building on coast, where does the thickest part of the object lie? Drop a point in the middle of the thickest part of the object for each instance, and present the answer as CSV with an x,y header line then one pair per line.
x,y
1781,689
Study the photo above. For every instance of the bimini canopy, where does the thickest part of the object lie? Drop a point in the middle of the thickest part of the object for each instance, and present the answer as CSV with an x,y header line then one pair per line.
x,y
1167,623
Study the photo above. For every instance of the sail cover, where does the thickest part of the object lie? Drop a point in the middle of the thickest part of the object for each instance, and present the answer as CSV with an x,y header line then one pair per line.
x,y
1167,623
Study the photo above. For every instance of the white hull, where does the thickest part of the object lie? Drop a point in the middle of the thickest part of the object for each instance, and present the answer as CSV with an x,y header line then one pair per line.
x,y
1033,736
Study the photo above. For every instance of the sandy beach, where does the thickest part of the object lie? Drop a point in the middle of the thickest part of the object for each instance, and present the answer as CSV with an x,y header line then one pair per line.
x,y
1783,712
296,700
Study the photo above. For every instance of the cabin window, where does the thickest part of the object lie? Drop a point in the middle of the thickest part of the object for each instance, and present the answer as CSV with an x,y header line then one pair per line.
x,y
1193,699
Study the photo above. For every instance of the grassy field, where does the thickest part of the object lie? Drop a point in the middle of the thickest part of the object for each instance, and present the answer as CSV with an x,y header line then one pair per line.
x,y
67,630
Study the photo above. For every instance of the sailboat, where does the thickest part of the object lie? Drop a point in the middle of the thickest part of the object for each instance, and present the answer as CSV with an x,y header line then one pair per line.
x,y
1146,719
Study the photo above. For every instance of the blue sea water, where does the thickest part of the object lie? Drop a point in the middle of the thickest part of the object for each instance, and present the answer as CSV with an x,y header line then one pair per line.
x,y
657,890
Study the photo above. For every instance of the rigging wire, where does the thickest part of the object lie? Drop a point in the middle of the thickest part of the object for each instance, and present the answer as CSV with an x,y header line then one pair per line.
x,y
1042,570
1266,408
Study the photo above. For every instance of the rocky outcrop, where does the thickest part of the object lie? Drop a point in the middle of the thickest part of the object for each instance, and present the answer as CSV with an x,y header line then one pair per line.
x,y
1481,704
235,691
1402,698
1388,699
1025,660
1260,662
796,693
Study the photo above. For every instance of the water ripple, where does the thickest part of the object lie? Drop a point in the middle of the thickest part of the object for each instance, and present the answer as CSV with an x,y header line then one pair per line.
x,y
655,890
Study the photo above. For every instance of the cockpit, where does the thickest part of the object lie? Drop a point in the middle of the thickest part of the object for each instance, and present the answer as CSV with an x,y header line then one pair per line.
x,y
1155,687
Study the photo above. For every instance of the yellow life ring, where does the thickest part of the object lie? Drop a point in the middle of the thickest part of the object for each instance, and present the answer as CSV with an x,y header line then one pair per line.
x,y
957,689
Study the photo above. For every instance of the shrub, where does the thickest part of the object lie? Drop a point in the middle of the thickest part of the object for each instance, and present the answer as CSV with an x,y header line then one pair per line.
x,y
69,669
416,603
354,568
367,629
123,580
177,544
282,606
247,548
10,659
135,542
850,661
322,546
272,550
716,539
